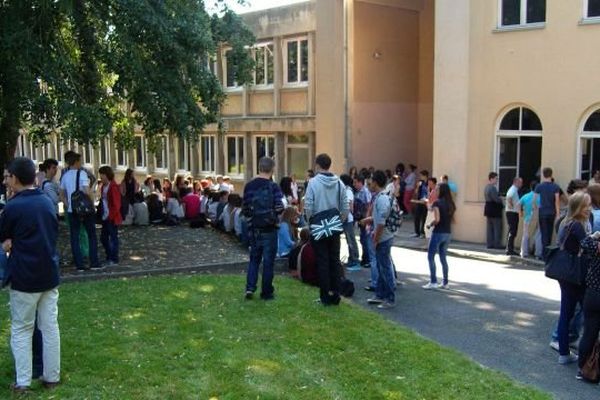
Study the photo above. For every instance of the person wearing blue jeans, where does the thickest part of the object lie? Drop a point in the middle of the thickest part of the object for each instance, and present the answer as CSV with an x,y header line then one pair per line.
x,y
548,194
382,243
261,205
443,210
89,224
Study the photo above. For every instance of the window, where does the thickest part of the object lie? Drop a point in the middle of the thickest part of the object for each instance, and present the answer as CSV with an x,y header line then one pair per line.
x,y
87,156
183,155
21,146
32,151
122,158
297,155
104,149
591,8
519,147
161,158
265,147
296,56
590,146
229,70
140,152
522,12
264,71
207,143
211,64
235,155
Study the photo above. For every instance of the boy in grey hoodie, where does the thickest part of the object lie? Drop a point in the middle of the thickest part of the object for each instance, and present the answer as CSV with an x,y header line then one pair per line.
x,y
324,192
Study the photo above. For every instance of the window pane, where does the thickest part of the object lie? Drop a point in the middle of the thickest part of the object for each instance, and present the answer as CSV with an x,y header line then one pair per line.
x,y
297,161
232,167
508,152
120,157
595,159
297,139
230,79
586,153
505,177
207,153
181,150
511,12
536,11
270,68
103,153
139,152
260,65
159,156
304,60
593,123
593,8
510,122
531,122
530,159
241,161
292,61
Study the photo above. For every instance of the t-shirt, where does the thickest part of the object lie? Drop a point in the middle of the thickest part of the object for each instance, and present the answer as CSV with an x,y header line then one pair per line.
x,y
527,204
237,221
350,197
192,205
68,184
513,194
174,208
443,226
381,211
105,209
51,189
547,192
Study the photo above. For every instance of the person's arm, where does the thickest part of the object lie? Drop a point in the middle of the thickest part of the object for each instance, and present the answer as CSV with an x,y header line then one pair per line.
x,y
344,205
495,195
436,217
509,200
557,204
535,201
309,201
381,212
277,199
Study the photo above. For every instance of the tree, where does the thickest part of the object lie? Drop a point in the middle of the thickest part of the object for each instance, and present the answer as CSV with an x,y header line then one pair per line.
x,y
89,68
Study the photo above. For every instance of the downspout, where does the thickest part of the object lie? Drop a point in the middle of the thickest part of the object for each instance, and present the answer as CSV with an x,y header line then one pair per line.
x,y
346,100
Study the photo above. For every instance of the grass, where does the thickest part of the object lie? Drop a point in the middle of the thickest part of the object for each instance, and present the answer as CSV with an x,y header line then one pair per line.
x,y
194,337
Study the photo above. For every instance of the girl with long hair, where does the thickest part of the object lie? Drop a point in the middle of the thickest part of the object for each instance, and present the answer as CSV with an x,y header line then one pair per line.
x,y
288,233
443,216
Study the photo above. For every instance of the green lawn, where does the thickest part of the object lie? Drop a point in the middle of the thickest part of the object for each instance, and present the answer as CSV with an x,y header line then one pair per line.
x,y
194,337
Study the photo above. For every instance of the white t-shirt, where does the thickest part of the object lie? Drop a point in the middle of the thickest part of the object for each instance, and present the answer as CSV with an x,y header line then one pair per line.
x,y
513,193
226,218
174,208
68,184
350,197
237,221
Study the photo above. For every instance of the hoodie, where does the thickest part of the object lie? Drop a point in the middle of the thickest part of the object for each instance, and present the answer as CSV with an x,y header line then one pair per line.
x,y
325,191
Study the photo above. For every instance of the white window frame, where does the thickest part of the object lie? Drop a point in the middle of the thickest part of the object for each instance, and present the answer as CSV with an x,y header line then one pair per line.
x,y
211,64
32,152
298,82
236,87
255,149
125,165
88,161
104,143
586,135
186,156
264,45
164,150
212,155
21,146
586,17
238,163
522,18
289,145
144,164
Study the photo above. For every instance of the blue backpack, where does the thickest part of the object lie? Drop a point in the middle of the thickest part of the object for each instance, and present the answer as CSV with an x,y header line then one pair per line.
x,y
262,208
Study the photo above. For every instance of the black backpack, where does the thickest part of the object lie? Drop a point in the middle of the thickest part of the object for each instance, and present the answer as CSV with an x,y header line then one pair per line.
x,y
81,204
262,208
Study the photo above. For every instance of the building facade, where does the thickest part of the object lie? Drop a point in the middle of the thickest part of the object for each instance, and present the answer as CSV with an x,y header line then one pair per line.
x,y
458,87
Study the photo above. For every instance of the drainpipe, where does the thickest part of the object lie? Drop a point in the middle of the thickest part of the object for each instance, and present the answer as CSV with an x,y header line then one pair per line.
x,y
346,100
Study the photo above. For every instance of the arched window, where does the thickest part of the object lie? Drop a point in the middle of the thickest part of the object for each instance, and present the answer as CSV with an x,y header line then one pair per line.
x,y
590,146
519,147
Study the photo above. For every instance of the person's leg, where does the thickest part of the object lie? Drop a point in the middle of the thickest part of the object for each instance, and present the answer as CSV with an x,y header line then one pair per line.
x,y
322,259
90,228
269,240
104,239
386,284
74,227
114,240
525,240
37,352
48,322
416,220
254,262
489,232
364,237
568,301
335,269
373,261
352,246
408,194
498,233
512,219
422,218
434,244
591,325
22,313
443,250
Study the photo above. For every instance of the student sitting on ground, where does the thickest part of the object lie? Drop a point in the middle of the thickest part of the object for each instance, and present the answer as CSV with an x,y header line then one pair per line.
x,y
227,216
155,209
191,204
238,221
287,234
222,202
174,209
307,261
140,210
212,207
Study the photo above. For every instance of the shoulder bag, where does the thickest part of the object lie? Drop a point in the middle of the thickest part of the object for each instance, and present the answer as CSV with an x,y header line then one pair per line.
x,y
562,265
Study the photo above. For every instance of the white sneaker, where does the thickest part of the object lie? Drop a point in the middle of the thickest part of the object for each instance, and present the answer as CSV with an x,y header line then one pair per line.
x,y
444,286
554,345
430,286
564,360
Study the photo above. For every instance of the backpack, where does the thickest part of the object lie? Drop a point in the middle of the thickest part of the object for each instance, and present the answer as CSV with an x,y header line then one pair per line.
x,y
81,204
394,220
262,208
346,287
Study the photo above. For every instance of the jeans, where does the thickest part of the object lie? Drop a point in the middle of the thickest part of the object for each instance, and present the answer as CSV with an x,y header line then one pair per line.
x,y
327,254
591,324
386,283
512,219
373,261
546,228
351,240
89,225
570,295
575,326
109,236
364,243
438,244
420,215
494,233
263,247
23,307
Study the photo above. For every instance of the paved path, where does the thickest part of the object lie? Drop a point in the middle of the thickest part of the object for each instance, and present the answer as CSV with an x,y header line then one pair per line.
x,y
498,314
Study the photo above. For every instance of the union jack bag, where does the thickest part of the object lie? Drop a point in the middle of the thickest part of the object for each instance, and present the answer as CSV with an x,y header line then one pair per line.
x,y
326,223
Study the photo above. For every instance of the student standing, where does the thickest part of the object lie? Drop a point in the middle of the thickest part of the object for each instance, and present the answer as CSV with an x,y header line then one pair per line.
x,y
493,212
111,215
512,215
29,222
549,194
353,261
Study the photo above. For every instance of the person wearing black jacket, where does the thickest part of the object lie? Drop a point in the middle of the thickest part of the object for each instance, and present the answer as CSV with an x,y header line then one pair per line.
x,y
493,213
28,230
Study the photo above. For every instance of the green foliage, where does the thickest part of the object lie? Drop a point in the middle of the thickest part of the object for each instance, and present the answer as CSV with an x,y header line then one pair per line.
x,y
195,337
89,68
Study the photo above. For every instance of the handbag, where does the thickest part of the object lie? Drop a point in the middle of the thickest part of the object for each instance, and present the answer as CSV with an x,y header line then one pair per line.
x,y
562,265
590,370
328,223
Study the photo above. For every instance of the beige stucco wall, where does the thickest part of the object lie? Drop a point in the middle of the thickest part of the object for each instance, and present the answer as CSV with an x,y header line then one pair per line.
x,y
487,72
425,99
282,21
294,102
233,105
261,103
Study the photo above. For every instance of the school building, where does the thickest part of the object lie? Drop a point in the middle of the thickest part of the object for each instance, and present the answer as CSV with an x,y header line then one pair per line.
x,y
458,87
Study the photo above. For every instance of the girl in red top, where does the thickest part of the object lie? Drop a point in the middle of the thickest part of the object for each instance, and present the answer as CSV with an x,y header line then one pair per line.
x,y
110,206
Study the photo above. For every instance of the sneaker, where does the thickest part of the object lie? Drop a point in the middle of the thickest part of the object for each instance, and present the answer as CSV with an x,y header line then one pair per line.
x,y
97,267
267,296
579,377
430,286
79,270
365,265
353,267
568,359
386,305
19,390
369,288
414,235
109,264
554,345
444,286
249,294
374,300
50,385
